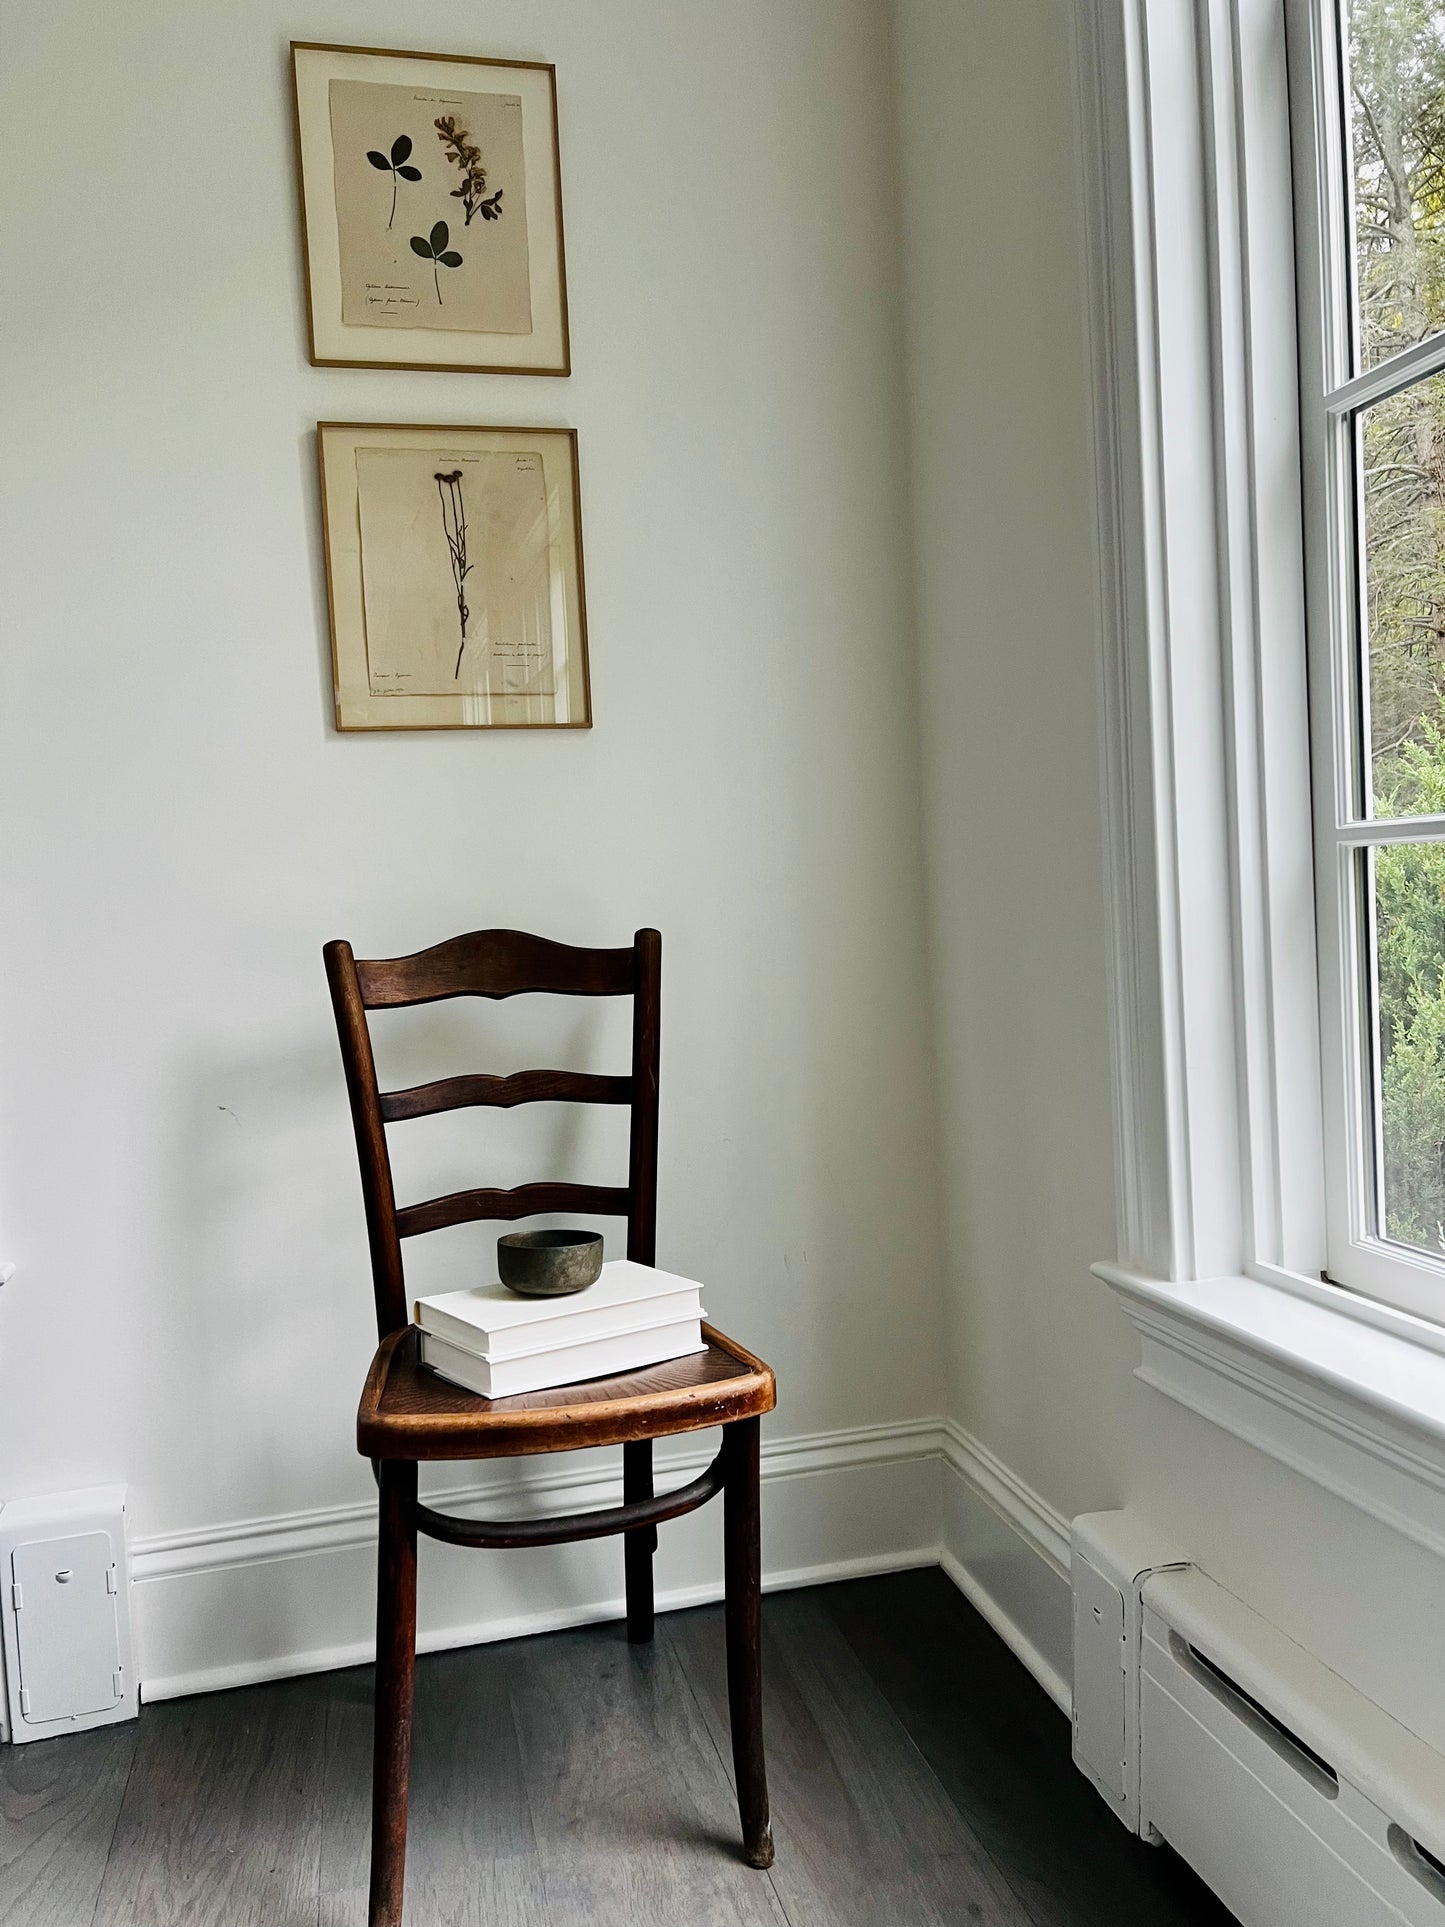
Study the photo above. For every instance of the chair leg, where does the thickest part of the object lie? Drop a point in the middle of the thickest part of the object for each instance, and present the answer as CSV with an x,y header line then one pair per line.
x,y
395,1676
638,1546
743,1564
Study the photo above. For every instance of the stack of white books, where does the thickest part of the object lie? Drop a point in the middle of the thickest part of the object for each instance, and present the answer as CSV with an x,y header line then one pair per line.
x,y
493,1342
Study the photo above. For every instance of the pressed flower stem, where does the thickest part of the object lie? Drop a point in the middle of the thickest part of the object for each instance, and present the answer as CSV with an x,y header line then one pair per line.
x,y
454,527
393,200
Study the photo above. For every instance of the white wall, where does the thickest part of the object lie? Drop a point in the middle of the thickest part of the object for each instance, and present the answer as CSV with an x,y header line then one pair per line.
x,y
1008,635
1004,493
183,829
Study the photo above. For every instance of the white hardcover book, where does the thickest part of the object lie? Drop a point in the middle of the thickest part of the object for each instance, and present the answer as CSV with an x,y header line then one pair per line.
x,y
495,1323
562,1364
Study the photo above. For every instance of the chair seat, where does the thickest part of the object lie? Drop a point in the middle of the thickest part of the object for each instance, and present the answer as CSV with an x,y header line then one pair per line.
x,y
407,1412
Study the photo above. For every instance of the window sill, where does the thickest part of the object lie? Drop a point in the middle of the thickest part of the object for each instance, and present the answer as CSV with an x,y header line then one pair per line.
x,y
1348,1394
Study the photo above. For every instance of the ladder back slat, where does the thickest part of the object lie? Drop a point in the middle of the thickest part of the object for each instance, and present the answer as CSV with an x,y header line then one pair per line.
x,y
527,1201
523,1087
493,963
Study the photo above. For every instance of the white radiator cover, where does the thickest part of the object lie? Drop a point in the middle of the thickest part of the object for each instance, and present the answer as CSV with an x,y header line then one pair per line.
x,y
1300,1801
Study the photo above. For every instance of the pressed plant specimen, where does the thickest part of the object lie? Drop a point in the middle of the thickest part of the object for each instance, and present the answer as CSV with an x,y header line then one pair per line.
x,y
396,166
433,247
463,152
454,526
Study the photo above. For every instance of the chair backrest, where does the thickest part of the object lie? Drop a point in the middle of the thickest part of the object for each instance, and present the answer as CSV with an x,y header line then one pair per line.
x,y
495,963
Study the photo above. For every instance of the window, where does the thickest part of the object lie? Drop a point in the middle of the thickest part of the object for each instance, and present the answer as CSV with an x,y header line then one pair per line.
x,y
1370,209
1240,349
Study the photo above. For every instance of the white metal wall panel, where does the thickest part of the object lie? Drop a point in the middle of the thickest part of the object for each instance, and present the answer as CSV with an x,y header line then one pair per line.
x,y
63,1595
65,1613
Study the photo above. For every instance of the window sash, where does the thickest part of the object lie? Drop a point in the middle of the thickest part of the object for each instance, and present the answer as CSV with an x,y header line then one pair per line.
x,y
1334,394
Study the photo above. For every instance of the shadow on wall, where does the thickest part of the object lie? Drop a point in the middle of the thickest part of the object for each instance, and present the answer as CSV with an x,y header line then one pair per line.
x,y
261,1322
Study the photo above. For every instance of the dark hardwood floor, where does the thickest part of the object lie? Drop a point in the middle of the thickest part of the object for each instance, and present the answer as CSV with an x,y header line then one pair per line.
x,y
919,1777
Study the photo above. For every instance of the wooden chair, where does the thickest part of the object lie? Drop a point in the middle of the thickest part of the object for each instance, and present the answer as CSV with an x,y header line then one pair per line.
x,y
407,1414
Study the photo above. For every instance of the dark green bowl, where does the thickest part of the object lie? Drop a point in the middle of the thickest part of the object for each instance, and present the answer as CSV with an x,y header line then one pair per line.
x,y
549,1264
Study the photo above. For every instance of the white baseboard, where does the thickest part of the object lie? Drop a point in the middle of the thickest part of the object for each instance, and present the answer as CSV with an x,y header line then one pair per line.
x,y
1012,1635
250,1600
485,1632
1007,1551
528,1488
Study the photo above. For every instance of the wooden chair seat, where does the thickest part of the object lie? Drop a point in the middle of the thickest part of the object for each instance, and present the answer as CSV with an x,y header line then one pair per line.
x,y
407,1412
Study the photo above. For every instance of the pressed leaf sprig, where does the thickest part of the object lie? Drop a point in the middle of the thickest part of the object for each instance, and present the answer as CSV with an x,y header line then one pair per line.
x,y
464,153
454,526
396,165
433,247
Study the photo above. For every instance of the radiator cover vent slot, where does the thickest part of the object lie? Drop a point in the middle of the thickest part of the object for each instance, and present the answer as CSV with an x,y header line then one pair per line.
x,y
1418,1860
1287,1743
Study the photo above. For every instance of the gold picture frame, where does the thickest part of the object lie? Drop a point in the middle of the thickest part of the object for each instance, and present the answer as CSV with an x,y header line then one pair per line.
x,y
454,576
431,211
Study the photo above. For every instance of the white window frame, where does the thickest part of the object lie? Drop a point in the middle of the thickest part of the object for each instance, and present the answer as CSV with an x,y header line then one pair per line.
x,y
1331,392
1219,1115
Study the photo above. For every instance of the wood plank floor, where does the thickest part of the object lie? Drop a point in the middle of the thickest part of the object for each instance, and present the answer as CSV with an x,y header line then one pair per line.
x,y
919,1777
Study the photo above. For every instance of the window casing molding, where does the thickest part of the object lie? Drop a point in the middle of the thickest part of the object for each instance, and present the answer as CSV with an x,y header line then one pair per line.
x,y
1205,714
1206,752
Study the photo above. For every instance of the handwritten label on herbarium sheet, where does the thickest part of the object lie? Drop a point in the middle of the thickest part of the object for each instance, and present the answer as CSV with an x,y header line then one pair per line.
x,y
456,568
431,210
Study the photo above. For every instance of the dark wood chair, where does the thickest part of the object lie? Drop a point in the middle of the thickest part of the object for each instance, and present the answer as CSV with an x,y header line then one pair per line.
x,y
407,1414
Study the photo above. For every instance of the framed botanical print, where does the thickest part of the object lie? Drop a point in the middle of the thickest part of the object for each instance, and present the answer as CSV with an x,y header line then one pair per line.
x,y
454,574
431,211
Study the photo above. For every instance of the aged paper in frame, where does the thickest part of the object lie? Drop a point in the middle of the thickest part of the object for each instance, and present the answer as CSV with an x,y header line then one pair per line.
x,y
431,211
454,574
387,281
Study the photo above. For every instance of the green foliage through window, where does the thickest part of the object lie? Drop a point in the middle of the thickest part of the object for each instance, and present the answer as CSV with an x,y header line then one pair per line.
x,y
1396,67
1410,961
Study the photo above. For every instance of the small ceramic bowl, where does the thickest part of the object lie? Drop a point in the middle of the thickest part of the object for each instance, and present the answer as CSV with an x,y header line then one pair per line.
x,y
549,1264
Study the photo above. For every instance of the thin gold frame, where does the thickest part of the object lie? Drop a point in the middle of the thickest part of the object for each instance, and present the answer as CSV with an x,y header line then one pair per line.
x,y
434,367
447,429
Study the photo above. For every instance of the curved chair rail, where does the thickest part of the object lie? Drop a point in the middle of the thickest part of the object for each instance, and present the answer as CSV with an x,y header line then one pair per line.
x,y
562,1530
